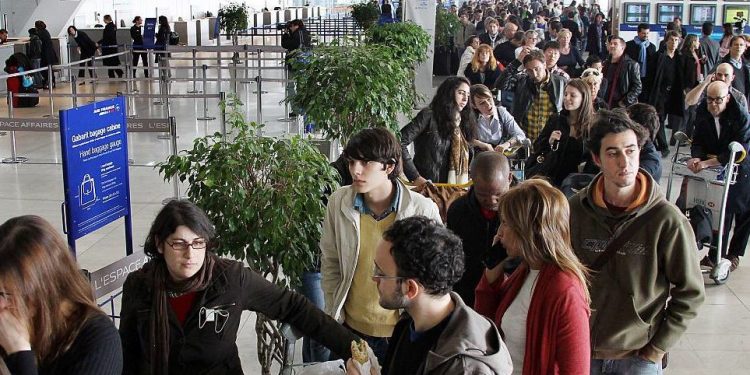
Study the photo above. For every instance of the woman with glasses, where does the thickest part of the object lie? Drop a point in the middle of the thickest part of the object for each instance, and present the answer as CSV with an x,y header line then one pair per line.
x,y
483,68
542,307
49,320
559,150
181,311
497,130
530,42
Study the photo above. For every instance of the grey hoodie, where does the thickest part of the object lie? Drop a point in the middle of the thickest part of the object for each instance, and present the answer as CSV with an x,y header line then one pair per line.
x,y
469,344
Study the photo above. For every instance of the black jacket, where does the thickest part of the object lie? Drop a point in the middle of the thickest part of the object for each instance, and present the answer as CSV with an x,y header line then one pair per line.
x,y
49,56
735,126
592,45
490,76
710,49
668,99
431,151
629,82
634,52
525,90
203,351
569,153
162,36
135,34
88,47
484,38
109,38
465,219
650,160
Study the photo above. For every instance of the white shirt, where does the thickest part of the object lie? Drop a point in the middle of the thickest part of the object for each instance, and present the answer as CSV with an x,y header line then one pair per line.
x,y
718,127
514,322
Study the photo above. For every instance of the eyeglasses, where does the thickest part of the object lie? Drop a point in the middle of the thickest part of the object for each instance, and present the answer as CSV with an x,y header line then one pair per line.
x,y
716,100
377,273
198,243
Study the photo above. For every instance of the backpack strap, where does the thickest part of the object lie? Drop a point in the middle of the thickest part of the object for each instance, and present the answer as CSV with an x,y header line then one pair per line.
x,y
620,240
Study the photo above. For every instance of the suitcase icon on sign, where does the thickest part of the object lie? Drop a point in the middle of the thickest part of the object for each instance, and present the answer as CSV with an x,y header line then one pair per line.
x,y
87,192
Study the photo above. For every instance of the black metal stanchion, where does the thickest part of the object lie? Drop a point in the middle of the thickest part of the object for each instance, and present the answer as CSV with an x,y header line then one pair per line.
x,y
205,117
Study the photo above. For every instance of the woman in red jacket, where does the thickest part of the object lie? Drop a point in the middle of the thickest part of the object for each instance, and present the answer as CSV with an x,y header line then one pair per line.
x,y
542,308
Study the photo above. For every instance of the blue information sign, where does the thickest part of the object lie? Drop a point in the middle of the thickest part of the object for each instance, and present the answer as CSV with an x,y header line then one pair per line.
x,y
149,33
95,167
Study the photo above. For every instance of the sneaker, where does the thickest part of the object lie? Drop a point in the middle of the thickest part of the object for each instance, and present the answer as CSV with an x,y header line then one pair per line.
x,y
735,260
707,262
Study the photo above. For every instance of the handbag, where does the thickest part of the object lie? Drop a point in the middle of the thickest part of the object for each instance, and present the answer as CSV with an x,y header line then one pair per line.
x,y
442,195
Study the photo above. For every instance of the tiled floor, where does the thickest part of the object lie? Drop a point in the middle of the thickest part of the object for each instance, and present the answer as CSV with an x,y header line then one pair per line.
x,y
718,341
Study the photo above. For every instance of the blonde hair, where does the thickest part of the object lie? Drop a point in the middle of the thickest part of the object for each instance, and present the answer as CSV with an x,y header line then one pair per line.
x,y
476,65
563,33
538,215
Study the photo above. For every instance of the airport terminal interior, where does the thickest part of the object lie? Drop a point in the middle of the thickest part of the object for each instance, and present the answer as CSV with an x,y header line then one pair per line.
x,y
716,342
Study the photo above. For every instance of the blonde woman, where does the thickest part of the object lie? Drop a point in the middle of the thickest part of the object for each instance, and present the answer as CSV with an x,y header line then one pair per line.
x,y
542,308
483,68
570,58
593,78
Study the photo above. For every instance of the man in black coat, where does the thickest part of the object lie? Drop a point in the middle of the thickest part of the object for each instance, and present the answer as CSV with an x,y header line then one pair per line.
x,y
710,147
475,220
635,50
108,44
622,76
506,52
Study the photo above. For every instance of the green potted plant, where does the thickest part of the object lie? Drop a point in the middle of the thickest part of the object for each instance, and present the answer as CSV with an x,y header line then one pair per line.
x,y
232,19
365,14
346,88
407,40
264,197
446,24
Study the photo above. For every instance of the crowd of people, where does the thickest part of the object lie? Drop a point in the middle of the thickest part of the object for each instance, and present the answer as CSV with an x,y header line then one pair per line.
x,y
522,277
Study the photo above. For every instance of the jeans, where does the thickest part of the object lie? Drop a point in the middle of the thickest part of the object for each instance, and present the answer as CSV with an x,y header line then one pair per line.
x,y
312,351
634,365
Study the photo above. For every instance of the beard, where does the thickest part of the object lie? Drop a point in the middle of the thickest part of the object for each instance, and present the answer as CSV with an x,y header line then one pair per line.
x,y
395,301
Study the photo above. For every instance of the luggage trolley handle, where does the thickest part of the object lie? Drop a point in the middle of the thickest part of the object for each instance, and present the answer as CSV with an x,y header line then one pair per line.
x,y
735,148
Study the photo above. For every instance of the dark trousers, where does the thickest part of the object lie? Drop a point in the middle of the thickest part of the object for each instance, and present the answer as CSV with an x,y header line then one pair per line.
x,y
82,71
46,77
144,57
738,213
115,72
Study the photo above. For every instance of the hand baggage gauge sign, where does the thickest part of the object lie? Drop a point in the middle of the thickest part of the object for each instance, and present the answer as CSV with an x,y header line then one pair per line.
x,y
95,166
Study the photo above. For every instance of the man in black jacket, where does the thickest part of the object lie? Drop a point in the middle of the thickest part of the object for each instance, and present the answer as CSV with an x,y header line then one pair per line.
x,y
623,76
505,52
710,148
474,217
537,93
642,51
666,93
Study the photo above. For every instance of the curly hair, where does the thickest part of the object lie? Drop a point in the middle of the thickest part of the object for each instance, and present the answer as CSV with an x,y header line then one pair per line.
x,y
477,66
425,250
613,122
444,108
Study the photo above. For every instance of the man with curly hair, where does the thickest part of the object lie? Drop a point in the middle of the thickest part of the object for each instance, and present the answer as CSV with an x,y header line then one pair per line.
x,y
416,263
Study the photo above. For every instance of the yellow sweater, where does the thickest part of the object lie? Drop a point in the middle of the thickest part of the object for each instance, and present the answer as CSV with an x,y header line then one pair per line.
x,y
362,309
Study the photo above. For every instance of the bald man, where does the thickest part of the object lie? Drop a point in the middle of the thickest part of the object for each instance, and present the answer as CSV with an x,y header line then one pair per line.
x,y
474,218
719,121
724,73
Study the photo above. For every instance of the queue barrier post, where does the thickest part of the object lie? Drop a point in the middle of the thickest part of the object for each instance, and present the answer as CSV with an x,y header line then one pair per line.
x,y
50,79
260,63
205,117
74,90
223,106
195,81
14,158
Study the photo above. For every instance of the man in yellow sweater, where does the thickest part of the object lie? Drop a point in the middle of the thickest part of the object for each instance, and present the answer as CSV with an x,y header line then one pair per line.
x,y
356,217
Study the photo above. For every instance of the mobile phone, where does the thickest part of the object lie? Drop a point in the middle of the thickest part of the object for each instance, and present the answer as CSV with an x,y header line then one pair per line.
x,y
494,255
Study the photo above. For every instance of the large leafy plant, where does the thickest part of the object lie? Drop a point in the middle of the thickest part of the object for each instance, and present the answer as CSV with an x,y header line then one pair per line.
x,y
407,40
446,24
233,17
345,88
365,14
262,194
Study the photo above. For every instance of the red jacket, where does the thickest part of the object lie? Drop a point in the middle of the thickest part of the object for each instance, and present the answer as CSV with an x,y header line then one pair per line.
x,y
557,325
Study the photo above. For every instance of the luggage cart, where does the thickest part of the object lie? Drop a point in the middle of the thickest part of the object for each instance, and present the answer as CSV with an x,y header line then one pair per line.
x,y
709,188
517,156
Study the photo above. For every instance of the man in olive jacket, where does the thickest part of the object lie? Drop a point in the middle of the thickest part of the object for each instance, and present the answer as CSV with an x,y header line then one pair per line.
x,y
644,295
